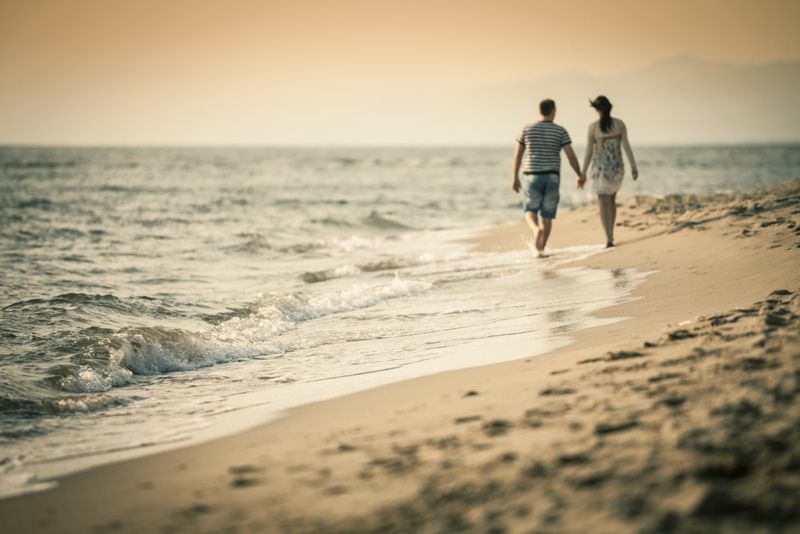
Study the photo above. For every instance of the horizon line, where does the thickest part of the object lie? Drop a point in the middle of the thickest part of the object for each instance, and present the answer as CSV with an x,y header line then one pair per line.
x,y
779,142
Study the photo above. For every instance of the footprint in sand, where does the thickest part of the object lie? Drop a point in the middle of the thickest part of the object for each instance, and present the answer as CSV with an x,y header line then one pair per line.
x,y
623,355
664,376
557,391
467,419
673,401
243,476
497,427
197,509
449,442
611,428
679,334
335,490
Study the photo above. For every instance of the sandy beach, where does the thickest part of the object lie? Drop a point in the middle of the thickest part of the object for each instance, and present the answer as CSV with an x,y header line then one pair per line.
x,y
682,417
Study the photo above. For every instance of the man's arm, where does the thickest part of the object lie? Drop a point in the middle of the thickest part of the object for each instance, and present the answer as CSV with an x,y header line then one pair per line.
x,y
573,161
518,152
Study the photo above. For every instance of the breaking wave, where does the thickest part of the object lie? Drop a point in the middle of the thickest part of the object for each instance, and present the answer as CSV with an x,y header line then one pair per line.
x,y
114,360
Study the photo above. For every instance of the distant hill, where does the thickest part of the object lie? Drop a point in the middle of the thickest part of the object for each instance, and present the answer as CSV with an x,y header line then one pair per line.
x,y
678,100
681,100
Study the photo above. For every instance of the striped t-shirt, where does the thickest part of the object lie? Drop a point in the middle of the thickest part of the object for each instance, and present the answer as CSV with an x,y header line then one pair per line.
x,y
543,141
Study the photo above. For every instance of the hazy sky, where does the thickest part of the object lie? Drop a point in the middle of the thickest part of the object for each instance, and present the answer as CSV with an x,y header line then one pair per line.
x,y
238,71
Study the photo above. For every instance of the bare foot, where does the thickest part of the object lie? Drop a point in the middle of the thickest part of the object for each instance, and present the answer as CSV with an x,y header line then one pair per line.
x,y
535,250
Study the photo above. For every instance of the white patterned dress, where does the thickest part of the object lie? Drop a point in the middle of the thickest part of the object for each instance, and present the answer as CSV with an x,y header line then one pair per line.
x,y
604,152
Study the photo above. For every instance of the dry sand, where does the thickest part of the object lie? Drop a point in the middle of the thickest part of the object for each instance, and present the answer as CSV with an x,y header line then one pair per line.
x,y
684,417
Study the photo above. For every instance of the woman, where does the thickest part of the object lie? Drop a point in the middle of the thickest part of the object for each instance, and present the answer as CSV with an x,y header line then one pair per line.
x,y
603,150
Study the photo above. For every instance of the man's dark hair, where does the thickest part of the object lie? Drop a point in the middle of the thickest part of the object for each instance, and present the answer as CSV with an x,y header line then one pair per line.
x,y
547,106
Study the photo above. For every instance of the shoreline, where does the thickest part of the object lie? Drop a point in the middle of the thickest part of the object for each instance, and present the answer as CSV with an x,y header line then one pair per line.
x,y
341,463
257,410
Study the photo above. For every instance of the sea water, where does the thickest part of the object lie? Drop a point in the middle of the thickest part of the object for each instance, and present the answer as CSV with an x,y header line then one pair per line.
x,y
151,297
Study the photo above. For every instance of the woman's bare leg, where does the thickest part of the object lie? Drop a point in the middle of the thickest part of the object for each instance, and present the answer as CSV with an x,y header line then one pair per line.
x,y
605,214
613,219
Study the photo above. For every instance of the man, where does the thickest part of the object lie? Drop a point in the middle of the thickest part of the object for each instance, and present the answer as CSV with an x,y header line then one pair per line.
x,y
541,144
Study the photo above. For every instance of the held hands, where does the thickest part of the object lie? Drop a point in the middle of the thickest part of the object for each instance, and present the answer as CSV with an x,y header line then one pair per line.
x,y
581,180
515,185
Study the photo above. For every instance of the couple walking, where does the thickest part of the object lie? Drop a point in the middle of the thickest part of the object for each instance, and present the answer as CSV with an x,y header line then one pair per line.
x,y
541,143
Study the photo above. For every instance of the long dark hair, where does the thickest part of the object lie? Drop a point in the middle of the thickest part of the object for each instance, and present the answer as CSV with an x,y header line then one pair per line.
x,y
603,105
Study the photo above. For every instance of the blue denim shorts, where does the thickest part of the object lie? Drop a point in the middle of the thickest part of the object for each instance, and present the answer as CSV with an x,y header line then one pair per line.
x,y
541,194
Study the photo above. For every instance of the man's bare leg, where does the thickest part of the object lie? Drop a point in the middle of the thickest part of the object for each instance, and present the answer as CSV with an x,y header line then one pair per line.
x,y
533,222
547,227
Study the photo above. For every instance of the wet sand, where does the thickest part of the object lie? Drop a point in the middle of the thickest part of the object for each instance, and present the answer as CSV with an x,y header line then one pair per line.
x,y
683,417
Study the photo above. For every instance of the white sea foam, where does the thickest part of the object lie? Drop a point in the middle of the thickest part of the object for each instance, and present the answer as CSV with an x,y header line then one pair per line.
x,y
346,270
20,482
383,264
355,242
278,313
14,480
151,351
87,379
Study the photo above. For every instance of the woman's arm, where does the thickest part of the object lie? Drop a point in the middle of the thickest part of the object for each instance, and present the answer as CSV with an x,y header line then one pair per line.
x,y
629,151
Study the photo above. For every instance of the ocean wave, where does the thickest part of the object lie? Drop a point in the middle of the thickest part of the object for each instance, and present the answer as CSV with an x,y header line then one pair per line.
x,y
88,380
57,405
403,161
276,313
161,221
252,242
331,221
376,220
312,277
14,480
115,188
386,264
256,243
151,351
355,242
86,302
70,298
38,164
115,359
332,245
36,203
